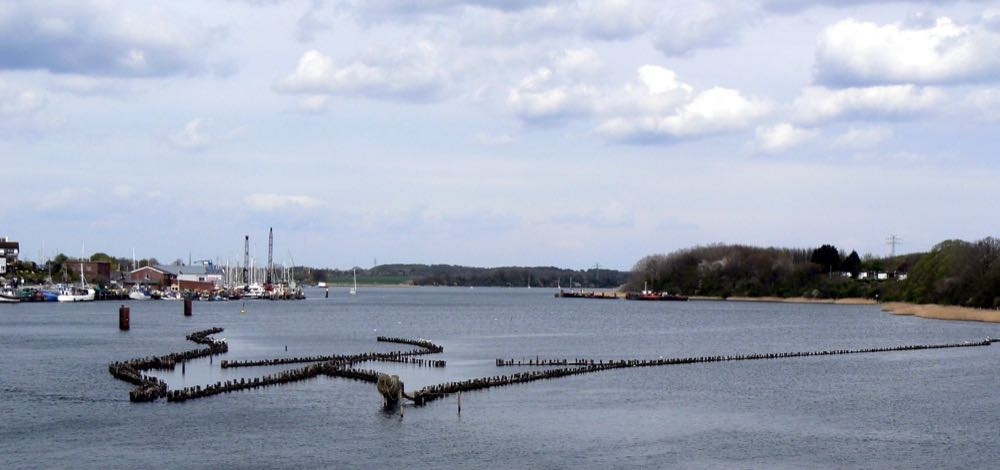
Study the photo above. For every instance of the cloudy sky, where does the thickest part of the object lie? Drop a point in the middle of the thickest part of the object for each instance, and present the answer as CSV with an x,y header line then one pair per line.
x,y
488,132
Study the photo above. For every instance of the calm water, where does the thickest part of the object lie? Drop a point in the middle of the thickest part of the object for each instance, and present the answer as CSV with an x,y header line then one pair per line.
x,y
928,409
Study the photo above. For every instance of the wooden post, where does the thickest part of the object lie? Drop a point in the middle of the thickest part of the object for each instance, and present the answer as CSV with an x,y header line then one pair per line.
x,y
187,306
460,403
123,314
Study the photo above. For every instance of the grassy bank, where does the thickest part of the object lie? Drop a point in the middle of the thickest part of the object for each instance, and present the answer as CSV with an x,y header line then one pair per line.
x,y
942,312
792,300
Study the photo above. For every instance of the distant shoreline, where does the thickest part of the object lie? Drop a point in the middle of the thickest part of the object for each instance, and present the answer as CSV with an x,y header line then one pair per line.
x,y
942,312
791,300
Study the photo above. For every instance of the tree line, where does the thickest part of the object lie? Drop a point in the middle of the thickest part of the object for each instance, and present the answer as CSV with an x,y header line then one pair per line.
x,y
452,275
954,272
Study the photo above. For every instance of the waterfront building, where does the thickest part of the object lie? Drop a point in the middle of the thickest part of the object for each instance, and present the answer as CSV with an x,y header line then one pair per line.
x,y
8,253
194,277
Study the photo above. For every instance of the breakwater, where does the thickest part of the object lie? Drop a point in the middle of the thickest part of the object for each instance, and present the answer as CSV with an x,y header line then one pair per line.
x,y
150,388
584,366
343,366
733,357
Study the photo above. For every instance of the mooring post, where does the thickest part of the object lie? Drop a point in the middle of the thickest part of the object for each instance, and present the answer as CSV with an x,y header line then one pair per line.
x,y
123,314
460,403
327,294
187,306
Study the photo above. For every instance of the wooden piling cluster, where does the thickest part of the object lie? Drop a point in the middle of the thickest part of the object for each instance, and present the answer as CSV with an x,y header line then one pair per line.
x,y
427,347
413,361
150,388
735,357
583,366
419,342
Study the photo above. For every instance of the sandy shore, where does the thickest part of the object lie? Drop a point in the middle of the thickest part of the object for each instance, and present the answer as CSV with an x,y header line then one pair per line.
x,y
792,300
942,312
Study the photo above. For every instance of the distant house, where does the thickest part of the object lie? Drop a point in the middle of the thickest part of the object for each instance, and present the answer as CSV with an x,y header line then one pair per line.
x,y
198,277
151,276
8,253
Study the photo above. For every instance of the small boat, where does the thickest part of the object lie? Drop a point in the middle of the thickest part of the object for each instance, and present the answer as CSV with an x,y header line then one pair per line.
x,y
139,293
321,284
169,295
77,294
8,296
254,291
354,290
647,294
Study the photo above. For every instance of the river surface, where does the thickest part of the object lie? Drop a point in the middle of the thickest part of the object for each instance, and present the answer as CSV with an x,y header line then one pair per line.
x,y
923,409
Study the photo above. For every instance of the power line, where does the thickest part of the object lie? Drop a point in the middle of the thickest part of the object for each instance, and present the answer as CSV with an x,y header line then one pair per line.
x,y
893,241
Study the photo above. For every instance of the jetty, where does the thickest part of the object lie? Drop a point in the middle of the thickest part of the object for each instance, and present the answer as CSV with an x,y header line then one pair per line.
x,y
149,388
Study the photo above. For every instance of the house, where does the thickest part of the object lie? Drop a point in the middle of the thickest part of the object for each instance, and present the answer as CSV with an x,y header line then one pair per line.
x,y
8,253
197,277
151,276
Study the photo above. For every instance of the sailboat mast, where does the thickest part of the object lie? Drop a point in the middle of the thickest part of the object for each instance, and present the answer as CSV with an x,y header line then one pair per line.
x,y
270,254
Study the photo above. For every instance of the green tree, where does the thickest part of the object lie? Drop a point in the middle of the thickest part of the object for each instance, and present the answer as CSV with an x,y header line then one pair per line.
x,y
852,264
103,257
826,256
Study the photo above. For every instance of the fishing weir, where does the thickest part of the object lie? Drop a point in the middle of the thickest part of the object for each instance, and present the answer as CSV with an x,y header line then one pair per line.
x,y
148,388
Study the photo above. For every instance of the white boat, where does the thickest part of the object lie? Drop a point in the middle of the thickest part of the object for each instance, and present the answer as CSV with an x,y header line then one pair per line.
x,y
77,294
254,291
138,293
170,295
321,284
354,290
8,296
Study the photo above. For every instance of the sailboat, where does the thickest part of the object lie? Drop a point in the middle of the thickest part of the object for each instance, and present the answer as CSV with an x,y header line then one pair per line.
x,y
354,290
77,294
139,293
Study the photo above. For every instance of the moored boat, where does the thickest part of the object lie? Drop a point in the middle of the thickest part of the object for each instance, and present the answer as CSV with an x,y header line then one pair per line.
x,y
8,296
77,294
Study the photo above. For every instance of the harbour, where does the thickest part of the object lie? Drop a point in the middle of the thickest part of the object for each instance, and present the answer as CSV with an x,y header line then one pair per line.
x,y
637,412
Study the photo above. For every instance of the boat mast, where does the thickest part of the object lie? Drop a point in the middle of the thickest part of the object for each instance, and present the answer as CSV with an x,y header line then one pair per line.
x,y
246,261
270,259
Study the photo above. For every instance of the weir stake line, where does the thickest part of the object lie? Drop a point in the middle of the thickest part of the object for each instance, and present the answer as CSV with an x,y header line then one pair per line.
x,y
149,388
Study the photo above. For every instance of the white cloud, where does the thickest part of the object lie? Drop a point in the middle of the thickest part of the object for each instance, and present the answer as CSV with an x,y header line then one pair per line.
x,y
271,201
16,101
853,52
191,137
618,19
984,103
862,137
314,103
559,91
712,111
704,24
656,90
410,73
105,38
783,137
817,104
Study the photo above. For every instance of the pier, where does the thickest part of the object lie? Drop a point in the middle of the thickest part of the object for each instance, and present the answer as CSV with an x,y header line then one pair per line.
x,y
150,389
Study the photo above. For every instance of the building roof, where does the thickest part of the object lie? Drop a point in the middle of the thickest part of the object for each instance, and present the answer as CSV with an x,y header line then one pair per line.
x,y
198,269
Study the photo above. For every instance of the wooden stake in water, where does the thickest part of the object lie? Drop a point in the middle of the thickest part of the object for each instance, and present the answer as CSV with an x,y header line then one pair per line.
x,y
460,403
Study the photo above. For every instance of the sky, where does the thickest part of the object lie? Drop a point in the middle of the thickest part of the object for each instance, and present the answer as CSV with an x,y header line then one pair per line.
x,y
495,133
